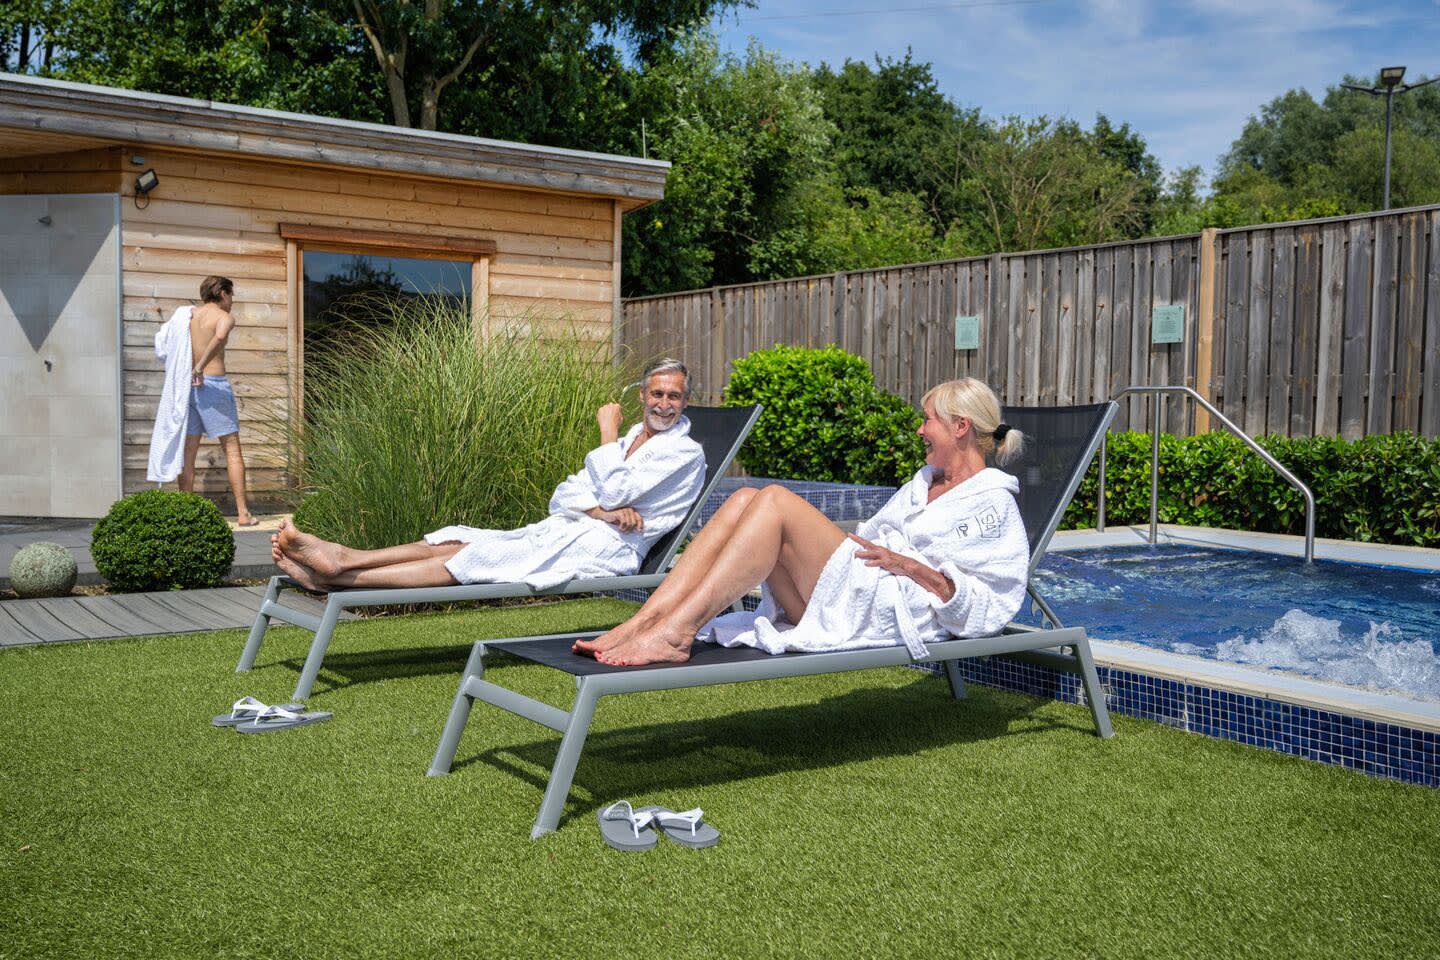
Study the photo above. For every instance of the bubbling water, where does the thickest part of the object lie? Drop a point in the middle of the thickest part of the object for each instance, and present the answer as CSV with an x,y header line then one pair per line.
x,y
1301,642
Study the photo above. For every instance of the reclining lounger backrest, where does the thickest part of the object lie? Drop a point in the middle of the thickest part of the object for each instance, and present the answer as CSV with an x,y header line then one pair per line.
x,y
720,431
1060,442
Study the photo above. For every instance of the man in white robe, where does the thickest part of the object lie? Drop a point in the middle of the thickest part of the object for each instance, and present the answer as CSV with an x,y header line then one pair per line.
x,y
603,520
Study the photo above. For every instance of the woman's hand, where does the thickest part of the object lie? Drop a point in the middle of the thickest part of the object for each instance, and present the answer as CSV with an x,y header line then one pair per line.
x,y
931,579
875,555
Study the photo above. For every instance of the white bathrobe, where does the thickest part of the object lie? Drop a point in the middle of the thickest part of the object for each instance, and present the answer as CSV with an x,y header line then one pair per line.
x,y
972,533
167,439
660,482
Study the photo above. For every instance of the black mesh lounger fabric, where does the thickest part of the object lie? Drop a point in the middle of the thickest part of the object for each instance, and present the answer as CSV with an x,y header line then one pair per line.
x,y
1055,438
555,652
715,429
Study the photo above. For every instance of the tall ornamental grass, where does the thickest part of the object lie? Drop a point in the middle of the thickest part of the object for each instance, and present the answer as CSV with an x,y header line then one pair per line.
x,y
410,426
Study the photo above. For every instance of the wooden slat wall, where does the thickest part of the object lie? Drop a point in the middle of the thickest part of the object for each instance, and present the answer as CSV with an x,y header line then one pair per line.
x,y
1327,327
221,216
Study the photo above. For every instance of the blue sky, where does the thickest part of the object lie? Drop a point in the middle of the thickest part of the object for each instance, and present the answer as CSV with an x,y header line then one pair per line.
x,y
1185,73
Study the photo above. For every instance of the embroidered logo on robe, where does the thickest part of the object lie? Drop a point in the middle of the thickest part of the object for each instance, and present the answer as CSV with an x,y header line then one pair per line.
x,y
988,520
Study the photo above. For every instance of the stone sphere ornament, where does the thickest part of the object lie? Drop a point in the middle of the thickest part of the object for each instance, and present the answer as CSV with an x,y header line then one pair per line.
x,y
43,570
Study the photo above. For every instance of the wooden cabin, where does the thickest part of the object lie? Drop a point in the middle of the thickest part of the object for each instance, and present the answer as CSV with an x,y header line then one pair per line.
x,y
90,264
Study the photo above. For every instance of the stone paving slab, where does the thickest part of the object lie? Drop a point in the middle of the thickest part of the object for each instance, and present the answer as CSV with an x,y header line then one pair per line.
x,y
59,619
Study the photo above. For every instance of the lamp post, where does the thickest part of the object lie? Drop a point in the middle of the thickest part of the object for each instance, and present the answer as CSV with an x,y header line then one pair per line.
x,y
1390,78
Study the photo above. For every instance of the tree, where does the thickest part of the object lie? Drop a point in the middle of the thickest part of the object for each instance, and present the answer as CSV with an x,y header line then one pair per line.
x,y
27,36
423,47
749,142
1127,149
1330,154
1041,183
287,56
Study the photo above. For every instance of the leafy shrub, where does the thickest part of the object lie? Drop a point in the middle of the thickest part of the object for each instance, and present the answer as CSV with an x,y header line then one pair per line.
x,y
1379,488
824,418
163,540
410,426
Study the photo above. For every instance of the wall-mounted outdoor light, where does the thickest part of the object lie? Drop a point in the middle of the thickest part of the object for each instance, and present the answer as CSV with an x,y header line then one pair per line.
x,y
144,183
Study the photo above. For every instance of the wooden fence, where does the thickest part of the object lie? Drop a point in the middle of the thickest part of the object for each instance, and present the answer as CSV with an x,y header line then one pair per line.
x,y
1322,327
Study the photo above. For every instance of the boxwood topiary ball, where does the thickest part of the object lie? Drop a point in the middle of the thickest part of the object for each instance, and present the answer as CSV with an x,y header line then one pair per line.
x,y
43,570
163,540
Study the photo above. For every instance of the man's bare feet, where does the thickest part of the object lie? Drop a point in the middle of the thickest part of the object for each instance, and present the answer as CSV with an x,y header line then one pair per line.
x,y
612,638
309,550
275,553
301,574
653,646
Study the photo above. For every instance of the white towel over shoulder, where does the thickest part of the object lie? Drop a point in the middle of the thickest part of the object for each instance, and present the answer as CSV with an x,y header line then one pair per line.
x,y
167,440
972,533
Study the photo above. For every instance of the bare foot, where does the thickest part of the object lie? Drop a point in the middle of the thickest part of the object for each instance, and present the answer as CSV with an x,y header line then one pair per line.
x,y
246,520
275,553
302,575
653,646
612,638
309,550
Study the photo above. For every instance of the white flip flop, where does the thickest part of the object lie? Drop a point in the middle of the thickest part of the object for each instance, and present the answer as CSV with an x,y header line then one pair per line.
x,y
625,828
246,709
686,828
278,718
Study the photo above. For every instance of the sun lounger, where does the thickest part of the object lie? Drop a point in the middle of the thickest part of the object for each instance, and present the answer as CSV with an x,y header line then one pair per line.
x,y
719,430
1062,442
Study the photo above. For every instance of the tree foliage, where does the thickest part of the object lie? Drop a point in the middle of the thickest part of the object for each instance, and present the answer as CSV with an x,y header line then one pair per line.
x,y
1301,158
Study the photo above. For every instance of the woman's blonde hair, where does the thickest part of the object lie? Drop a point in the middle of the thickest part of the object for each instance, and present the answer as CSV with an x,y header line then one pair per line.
x,y
974,400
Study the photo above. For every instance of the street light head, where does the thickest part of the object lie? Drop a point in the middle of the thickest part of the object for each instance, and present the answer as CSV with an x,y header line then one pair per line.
x,y
1391,76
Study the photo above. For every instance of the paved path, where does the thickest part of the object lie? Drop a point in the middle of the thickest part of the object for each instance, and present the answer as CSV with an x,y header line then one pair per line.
x,y
252,548
25,622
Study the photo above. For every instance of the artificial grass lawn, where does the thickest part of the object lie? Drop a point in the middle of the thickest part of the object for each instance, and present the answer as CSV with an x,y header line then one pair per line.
x,y
862,814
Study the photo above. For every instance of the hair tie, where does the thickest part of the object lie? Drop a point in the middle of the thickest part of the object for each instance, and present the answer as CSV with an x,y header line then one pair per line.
x,y
1000,432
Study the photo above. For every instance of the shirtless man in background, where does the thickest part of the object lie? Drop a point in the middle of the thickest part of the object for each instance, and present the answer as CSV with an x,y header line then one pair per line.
x,y
212,402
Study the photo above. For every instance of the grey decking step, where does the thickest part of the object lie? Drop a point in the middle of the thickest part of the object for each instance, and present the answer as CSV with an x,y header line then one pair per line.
x,y
27,622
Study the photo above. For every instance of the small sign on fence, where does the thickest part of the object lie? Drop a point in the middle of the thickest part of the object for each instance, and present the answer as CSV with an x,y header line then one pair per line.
x,y
1167,323
967,333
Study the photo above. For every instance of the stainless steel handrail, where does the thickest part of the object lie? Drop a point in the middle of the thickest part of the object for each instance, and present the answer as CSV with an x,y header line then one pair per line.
x,y
1157,404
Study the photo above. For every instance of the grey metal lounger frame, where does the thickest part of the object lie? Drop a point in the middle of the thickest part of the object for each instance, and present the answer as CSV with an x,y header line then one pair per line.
x,y
1041,646
740,420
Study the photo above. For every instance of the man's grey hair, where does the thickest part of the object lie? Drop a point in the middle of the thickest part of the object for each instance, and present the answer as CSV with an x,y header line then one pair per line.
x,y
667,365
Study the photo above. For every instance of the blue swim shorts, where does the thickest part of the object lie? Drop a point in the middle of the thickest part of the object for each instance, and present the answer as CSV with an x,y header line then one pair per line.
x,y
212,409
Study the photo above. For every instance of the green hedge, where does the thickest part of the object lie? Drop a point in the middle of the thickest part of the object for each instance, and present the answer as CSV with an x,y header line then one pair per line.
x,y
1380,488
163,540
824,418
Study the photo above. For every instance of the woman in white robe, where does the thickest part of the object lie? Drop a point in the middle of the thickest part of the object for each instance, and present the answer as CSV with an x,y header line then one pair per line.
x,y
947,556
603,520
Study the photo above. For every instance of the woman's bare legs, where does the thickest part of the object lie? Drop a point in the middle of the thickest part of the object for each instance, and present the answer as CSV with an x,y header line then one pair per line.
x,y
777,532
697,558
426,572
329,560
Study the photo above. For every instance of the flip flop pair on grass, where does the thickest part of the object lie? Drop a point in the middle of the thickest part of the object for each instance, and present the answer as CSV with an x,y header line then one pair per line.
x,y
249,715
627,829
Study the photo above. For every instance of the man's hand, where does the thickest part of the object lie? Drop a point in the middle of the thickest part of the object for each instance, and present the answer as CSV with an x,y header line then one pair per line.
x,y
608,417
197,379
626,518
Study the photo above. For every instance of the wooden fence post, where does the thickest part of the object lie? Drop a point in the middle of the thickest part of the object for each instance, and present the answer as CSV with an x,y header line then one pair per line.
x,y
1205,324
716,373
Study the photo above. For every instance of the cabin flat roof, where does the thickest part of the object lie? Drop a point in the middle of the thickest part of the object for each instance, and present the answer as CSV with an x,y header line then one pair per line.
x,y
55,115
